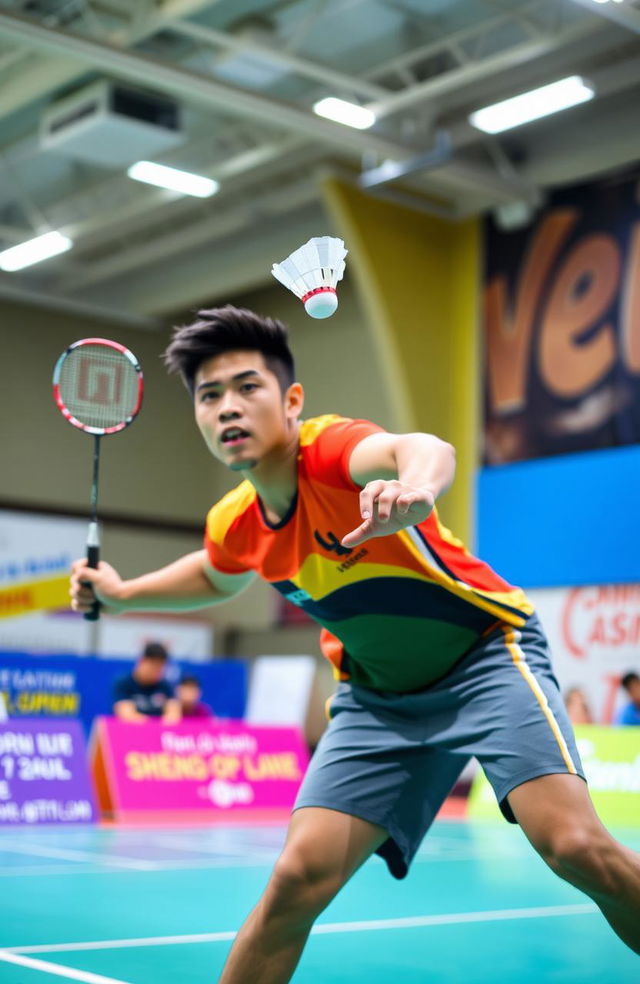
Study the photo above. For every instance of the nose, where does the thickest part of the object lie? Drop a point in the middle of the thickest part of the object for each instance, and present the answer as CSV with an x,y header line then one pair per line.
x,y
226,409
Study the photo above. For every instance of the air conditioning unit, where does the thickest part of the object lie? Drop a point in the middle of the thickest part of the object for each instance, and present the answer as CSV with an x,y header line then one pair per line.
x,y
108,124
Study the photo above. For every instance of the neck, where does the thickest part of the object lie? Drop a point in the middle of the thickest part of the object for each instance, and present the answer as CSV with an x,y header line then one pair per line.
x,y
275,478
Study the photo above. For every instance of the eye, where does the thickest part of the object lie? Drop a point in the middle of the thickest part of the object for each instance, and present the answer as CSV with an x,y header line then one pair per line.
x,y
248,387
208,396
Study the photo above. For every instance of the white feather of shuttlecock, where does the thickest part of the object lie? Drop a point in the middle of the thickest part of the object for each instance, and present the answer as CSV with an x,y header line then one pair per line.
x,y
316,265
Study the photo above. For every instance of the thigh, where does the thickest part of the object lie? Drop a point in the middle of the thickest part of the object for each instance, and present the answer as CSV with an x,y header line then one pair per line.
x,y
328,843
551,807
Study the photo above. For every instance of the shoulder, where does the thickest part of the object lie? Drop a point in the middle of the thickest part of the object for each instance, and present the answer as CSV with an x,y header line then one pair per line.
x,y
326,444
223,514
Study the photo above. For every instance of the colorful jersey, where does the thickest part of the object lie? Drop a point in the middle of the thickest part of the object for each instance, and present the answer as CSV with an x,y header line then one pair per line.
x,y
397,611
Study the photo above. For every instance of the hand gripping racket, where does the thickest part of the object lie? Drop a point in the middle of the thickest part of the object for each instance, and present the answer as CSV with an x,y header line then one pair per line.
x,y
97,385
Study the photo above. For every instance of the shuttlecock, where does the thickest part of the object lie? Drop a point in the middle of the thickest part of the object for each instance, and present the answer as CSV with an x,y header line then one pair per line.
x,y
312,272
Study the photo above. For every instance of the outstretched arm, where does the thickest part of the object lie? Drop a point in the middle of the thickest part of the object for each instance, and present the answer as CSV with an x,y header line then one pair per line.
x,y
190,582
402,475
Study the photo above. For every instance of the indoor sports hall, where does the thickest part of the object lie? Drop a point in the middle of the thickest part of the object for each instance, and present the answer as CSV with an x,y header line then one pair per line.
x,y
440,200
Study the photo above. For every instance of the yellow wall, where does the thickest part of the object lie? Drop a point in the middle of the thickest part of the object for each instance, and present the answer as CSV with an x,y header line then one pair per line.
x,y
418,279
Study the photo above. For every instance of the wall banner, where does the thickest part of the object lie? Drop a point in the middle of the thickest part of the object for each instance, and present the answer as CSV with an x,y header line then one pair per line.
x,y
69,687
196,770
36,553
594,634
562,325
43,774
611,760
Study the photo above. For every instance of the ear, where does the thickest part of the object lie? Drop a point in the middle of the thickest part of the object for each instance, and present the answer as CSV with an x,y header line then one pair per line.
x,y
294,401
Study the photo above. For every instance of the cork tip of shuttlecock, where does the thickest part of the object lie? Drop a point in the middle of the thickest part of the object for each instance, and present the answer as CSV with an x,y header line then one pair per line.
x,y
321,304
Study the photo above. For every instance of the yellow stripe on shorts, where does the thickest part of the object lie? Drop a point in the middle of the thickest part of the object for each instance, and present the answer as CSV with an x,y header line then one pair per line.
x,y
512,638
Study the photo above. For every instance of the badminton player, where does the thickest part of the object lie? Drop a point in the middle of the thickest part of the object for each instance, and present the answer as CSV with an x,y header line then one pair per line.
x,y
438,658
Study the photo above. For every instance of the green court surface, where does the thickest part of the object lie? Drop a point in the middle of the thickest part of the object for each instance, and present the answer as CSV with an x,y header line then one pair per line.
x,y
133,906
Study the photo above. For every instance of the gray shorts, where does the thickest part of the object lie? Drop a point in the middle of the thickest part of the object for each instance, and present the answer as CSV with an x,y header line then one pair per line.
x,y
393,758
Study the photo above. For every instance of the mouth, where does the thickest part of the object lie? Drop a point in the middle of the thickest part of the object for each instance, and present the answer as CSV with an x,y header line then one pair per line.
x,y
232,437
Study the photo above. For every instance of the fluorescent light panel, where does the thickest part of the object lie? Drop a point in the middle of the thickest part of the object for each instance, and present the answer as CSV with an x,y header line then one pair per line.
x,y
34,251
532,105
341,111
169,177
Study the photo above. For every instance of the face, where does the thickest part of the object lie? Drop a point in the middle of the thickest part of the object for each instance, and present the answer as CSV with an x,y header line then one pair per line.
x,y
241,411
634,692
188,693
150,671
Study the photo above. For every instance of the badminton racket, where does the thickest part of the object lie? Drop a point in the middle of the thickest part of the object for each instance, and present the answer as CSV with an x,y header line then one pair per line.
x,y
97,386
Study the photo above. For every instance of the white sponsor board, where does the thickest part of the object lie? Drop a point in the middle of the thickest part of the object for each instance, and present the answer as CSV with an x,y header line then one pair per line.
x,y
594,633
36,552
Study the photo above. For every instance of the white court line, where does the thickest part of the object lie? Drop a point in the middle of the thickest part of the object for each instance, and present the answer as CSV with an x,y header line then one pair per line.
x,y
58,970
406,922
34,850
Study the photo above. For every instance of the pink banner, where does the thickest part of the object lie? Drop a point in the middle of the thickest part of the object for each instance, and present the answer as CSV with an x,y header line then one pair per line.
x,y
197,769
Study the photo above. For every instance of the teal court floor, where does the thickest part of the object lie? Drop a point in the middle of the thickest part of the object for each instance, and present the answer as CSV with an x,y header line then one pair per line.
x,y
160,906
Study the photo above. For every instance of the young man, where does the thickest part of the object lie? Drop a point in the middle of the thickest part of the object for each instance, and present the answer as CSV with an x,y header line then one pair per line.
x,y
438,657
144,693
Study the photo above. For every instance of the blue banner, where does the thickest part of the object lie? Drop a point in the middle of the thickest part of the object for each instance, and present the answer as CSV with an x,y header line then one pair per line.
x,y
82,687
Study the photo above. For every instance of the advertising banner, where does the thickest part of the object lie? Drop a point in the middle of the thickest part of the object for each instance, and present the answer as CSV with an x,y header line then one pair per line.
x,y
195,770
594,633
43,773
611,760
36,553
562,325
69,687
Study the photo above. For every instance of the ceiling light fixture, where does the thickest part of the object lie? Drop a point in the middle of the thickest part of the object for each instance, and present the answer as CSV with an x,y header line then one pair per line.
x,y
532,105
174,180
341,111
34,251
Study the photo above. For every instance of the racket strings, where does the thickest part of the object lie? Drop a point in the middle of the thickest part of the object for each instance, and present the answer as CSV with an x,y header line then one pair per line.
x,y
99,386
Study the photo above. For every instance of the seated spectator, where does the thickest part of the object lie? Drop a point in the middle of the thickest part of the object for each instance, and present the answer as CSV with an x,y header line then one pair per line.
x,y
144,693
577,706
630,713
189,693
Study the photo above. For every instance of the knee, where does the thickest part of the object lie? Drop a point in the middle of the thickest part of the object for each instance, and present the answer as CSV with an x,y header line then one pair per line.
x,y
581,855
301,886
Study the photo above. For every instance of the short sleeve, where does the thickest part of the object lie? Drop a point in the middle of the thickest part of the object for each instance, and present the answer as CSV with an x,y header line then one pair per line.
x,y
226,536
329,451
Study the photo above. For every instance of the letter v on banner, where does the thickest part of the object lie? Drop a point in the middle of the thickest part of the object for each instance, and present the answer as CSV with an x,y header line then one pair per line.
x,y
509,326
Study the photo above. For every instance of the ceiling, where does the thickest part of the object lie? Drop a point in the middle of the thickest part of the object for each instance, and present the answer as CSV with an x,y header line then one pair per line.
x,y
245,74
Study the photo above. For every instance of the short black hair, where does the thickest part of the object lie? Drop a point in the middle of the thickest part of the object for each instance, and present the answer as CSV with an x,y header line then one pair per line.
x,y
190,678
155,650
225,329
628,679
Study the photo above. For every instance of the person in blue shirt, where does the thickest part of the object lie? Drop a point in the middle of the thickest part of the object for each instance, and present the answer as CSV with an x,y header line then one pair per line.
x,y
630,714
144,693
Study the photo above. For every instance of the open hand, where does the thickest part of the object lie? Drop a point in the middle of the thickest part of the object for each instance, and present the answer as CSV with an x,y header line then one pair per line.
x,y
387,507
105,586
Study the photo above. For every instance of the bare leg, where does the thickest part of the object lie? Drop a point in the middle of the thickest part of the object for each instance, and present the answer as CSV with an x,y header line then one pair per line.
x,y
557,816
323,849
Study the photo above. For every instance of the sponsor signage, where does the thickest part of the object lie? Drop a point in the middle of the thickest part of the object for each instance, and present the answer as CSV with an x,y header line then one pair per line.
x,y
195,770
594,633
43,774
562,325
611,761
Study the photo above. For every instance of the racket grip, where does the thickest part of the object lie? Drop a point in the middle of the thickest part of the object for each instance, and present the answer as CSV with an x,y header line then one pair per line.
x,y
93,556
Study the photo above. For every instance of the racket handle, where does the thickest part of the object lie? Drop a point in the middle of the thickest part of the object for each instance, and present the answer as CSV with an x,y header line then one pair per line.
x,y
93,556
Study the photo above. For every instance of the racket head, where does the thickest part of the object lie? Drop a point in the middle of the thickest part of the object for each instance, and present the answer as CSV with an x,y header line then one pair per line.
x,y
98,386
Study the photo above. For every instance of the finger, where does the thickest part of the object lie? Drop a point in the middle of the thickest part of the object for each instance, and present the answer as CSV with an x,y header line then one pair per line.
x,y
368,497
385,504
359,535
405,502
